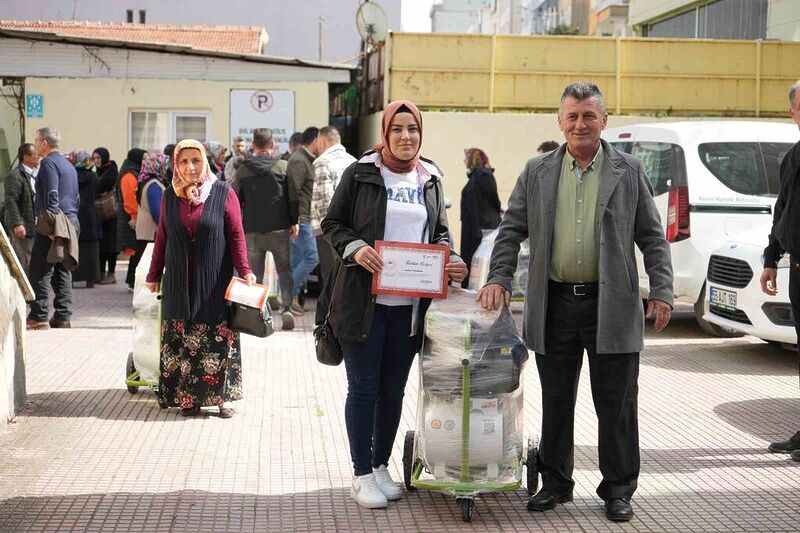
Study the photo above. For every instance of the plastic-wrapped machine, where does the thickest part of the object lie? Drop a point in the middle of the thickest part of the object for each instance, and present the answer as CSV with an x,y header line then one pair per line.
x,y
469,433
479,271
146,320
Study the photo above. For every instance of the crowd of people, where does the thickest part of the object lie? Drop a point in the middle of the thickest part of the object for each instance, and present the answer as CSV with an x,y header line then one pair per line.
x,y
115,209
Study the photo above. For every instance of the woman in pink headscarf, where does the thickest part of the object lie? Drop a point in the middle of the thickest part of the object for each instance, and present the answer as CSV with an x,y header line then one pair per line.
x,y
200,241
392,193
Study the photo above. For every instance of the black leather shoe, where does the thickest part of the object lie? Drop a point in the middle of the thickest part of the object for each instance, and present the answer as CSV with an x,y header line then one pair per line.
x,y
619,510
795,455
786,446
545,500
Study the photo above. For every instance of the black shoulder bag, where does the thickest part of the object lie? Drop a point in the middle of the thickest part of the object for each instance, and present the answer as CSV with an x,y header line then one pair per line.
x,y
329,351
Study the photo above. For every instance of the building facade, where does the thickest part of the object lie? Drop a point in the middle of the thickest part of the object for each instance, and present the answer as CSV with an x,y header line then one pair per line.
x,y
716,19
575,14
609,18
515,17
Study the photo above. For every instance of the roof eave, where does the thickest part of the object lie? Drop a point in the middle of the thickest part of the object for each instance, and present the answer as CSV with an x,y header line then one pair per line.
x,y
166,47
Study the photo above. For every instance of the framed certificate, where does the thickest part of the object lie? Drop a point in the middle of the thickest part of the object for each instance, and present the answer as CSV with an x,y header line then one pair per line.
x,y
410,269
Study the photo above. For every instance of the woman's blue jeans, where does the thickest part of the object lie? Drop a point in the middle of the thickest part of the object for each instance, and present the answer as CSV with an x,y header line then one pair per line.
x,y
377,371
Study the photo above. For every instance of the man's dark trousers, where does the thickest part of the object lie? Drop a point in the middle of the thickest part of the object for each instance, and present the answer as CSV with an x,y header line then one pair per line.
x,y
44,275
571,329
794,293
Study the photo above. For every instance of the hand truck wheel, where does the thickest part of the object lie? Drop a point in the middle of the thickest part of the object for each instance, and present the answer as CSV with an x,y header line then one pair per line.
x,y
408,460
130,369
532,466
467,507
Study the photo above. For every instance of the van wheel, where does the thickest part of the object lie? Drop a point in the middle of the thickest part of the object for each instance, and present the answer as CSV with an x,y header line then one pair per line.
x,y
706,326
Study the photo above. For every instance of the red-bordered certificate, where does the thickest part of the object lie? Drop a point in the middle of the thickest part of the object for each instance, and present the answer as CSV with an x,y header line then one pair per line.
x,y
409,269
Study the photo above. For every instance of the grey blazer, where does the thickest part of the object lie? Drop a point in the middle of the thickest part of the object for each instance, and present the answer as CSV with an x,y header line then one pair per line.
x,y
626,215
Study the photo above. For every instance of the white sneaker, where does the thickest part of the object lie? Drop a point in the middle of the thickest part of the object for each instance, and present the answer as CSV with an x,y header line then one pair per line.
x,y
365,491
387,485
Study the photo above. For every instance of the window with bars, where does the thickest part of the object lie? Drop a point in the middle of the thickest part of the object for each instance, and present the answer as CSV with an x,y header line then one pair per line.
x,y
152,130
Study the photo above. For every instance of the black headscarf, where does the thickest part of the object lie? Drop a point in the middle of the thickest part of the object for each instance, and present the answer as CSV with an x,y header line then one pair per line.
x,y
108,171
105,156
136,155
133,163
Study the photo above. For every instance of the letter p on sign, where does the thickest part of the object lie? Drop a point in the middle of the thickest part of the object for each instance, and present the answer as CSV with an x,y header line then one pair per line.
x,y
262,101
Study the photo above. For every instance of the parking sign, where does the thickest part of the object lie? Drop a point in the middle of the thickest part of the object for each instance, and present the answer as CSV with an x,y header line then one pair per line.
x,y
263,108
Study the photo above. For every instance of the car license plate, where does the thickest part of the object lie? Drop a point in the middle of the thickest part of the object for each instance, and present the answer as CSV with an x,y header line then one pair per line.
x,y
722,298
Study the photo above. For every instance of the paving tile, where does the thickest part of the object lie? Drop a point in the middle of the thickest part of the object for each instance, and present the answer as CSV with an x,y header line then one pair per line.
x,y
88,456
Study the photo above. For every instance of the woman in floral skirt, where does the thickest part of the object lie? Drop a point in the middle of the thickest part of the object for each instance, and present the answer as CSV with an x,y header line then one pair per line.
x,y
198,244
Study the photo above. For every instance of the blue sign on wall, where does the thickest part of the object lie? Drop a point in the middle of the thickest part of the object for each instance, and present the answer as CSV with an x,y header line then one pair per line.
x,y
34,105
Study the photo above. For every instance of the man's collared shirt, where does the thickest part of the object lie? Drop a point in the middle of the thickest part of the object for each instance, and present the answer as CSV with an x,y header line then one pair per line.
x,y
31,172
576,230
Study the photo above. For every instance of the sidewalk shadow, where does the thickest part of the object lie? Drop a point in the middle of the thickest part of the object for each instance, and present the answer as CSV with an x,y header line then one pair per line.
x,y
104,404
726,357
769,419
332,510
682,325
687,460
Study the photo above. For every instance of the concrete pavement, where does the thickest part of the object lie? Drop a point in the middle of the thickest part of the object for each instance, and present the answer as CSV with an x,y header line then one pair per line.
x,y
88,456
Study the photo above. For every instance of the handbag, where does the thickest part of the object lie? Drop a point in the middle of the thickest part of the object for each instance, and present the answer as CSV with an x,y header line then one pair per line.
x,y
106,206
329,351
250,320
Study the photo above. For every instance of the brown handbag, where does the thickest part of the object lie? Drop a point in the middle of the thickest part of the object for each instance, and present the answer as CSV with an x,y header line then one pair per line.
x,y
106,206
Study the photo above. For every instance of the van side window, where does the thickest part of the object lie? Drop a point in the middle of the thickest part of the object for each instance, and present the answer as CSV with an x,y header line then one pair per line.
x,y
663,164
750,168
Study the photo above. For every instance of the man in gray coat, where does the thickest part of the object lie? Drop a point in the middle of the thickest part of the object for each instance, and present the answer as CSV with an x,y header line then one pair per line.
x,y
584,207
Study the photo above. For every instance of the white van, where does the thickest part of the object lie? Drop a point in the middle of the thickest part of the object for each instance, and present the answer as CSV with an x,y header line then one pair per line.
x,y
712,180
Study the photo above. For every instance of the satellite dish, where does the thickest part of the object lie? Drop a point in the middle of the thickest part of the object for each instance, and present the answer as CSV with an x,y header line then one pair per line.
x,y
372,23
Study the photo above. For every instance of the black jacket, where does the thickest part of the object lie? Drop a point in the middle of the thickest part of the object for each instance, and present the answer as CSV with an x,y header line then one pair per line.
x,y
358,212
19,201
301,171
785,234
267,195
480,209
87,214
108,180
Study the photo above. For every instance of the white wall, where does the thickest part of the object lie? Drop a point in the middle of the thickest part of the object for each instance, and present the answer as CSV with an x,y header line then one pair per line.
x,y
783,20
12,340
70,104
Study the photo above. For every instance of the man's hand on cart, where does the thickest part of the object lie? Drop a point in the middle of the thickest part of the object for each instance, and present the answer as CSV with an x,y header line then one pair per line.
x,y
153,286
492,295
456,271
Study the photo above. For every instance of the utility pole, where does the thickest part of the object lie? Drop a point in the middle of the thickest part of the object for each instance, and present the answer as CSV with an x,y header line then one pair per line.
x,y
321,20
